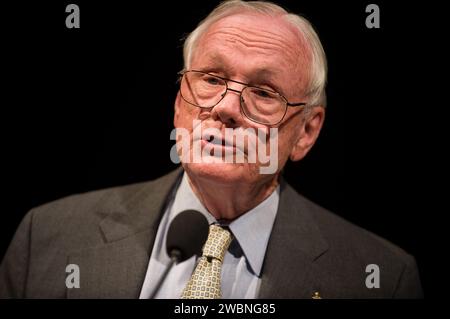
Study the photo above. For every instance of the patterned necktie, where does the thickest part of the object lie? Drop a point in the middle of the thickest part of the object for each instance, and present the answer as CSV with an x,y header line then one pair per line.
x,y
205,281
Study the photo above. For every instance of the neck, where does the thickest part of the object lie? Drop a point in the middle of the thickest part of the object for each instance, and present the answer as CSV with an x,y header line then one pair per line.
x,y
228,202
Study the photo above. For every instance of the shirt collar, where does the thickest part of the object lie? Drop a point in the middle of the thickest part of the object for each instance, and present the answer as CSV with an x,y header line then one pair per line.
x,y
251,230
185,199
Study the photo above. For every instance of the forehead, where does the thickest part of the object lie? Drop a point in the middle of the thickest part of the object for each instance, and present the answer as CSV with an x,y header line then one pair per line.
x,y
244,43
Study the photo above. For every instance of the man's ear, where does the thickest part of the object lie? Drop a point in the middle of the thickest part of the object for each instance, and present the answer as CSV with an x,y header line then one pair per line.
x,y
177,110
311,126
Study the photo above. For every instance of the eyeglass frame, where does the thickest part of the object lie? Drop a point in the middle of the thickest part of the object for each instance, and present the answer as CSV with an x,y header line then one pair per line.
x,y
246,85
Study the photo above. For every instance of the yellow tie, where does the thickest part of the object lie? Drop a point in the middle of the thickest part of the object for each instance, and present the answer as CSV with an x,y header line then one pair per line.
x,y
205,281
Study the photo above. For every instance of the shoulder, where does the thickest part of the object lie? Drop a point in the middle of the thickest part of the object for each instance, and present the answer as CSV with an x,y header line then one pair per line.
x,y
339,232
77,217
353,252
100,200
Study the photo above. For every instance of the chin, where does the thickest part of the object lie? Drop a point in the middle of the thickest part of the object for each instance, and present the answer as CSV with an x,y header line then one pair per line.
x,y
223,173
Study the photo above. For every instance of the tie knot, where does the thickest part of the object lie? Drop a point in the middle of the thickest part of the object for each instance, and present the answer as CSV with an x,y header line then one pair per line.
x,y
217,243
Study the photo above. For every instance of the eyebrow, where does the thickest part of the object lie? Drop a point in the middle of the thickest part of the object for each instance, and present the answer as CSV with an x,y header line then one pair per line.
x,y
214,59
267,76
263,73
217,62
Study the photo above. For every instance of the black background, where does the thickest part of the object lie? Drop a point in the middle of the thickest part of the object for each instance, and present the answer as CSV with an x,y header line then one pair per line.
x,y
88,108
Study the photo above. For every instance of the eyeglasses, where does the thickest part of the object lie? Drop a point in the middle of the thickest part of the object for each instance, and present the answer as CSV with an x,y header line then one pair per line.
x,y
260,105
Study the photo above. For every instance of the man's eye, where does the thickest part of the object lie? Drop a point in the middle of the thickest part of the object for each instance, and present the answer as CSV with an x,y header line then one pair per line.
x,y
212,81
262,93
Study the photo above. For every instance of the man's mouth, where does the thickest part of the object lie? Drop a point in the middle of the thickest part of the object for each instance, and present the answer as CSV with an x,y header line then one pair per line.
x,y
216,141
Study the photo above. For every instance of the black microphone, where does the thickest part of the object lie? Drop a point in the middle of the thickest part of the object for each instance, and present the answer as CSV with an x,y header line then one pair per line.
x,y
185,238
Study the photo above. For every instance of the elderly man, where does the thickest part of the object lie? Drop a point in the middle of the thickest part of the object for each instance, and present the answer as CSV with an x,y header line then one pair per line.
x,y
257,72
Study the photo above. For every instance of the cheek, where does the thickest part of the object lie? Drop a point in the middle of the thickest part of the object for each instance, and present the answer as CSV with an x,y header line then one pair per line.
x,y
287,140
185,115
284,145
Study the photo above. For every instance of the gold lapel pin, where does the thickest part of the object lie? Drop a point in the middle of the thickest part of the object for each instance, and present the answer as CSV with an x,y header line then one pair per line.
x,y
316,295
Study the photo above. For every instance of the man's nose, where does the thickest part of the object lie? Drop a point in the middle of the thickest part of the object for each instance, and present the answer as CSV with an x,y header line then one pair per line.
x,y
229,109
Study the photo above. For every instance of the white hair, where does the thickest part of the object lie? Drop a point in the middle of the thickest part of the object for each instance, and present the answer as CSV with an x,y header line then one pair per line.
x,y
315,90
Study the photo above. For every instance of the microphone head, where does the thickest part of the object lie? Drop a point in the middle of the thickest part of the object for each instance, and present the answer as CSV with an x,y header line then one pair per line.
x,y
187,234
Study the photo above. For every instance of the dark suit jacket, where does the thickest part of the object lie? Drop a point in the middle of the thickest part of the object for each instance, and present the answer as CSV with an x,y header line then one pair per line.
x,y
109,234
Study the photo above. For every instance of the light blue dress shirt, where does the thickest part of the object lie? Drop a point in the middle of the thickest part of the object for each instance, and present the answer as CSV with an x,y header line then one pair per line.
x,y
242,265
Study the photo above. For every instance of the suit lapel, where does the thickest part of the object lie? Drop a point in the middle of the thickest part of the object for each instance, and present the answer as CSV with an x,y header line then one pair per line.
x,y
114,270
117,268
295,243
